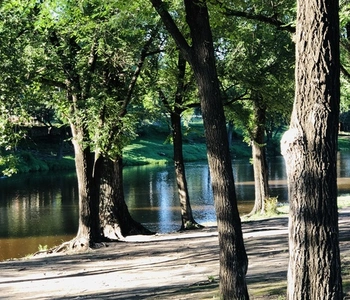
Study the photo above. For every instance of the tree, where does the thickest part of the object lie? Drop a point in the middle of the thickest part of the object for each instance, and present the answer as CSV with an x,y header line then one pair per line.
x,y
309,148
176,110
200,55
170,80
255,76
80,53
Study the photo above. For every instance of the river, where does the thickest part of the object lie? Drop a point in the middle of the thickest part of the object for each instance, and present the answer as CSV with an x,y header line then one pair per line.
x,y
42,209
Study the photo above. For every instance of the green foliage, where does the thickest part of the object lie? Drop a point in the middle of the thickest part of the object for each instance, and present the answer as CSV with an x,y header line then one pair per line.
x,y
91,50
28,163
25,161
9,164
344,16
255,63
271,205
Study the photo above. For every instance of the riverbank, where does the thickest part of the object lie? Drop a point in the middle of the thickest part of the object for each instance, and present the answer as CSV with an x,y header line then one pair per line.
x,y
152,146
169,266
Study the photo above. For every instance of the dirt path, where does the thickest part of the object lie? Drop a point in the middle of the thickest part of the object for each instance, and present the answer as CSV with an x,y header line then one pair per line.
x,y
171,266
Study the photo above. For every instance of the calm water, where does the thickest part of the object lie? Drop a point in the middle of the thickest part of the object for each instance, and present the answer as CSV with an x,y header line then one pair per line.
x,y
42,209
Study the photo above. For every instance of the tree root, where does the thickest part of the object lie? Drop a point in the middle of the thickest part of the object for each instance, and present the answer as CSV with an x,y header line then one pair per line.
x,y
112,230
76,245
191,226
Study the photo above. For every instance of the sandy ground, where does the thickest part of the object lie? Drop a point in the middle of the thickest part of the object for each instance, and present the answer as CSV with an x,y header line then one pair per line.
x,y
170,266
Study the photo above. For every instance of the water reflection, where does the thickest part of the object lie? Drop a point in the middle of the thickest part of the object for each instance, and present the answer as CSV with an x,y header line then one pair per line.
x,y
38,205
43,209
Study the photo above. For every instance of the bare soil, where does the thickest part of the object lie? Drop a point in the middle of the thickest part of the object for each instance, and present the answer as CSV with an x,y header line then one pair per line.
x,y
170,266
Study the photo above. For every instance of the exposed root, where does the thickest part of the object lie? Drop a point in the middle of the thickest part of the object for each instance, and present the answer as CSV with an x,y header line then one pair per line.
x,y
75,245
113,232
191,226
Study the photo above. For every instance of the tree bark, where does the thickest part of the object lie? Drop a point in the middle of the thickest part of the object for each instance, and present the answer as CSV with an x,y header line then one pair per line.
x,y
233,258
188,222
88,226
116,221
309,148
259,157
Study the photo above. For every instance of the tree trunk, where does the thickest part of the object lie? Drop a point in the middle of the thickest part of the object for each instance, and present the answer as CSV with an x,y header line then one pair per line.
x,y
309,148
88,228
187,220
233,258
230,133
259,157
260,178
115,218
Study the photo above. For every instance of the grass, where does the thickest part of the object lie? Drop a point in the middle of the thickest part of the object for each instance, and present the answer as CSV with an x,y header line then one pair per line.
x,y
154,146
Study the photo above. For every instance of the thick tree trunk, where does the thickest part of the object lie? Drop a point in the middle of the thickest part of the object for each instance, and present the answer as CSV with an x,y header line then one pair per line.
x,y
88,228
259,158
233,258
309,148
116,221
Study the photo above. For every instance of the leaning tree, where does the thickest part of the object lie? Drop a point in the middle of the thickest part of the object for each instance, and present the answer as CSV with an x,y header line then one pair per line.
x,y
200,55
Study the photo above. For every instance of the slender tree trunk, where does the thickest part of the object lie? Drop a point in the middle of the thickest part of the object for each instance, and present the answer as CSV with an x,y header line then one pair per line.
x,y
259,157
115,218
260,178
230,133
187,220
309,148
233,258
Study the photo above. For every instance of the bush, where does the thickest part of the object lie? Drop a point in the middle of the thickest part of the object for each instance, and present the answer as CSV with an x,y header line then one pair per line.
x,y
28,163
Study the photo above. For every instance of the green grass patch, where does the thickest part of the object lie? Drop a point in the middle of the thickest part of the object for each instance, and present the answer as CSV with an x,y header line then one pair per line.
x,y
144,152
65,163
154,146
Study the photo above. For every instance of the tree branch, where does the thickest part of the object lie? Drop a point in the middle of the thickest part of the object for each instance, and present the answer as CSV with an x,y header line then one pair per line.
x,y
53,83
137,72
172,28
258,17
234,99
